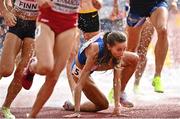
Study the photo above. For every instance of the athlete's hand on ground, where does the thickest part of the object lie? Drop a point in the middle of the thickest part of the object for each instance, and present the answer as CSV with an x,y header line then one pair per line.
x,y
10,19
75,115
45,3
116,112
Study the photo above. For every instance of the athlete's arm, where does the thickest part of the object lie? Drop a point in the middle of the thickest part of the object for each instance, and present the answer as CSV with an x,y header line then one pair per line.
x,y
173,6
2,6
9,18
91,54
117,89
115,11
97,4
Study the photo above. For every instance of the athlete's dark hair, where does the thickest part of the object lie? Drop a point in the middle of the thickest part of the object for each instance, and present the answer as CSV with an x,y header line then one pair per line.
x,y
111,38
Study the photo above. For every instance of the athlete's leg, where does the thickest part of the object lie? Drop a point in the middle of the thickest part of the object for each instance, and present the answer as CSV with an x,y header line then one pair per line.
x,y
44,47
97,98
62,49
159,19
129,62
145,39
11,48
12,45
133,38
16,84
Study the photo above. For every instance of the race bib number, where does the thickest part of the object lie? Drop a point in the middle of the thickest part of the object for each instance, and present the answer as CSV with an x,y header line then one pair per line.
x,y
29,6
66,6
76,71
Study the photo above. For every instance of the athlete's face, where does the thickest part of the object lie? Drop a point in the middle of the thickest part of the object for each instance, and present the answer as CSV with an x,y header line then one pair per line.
x,y
118,49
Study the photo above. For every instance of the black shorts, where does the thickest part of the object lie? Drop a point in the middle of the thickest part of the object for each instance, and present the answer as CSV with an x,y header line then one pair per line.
x,y
24,28
88,22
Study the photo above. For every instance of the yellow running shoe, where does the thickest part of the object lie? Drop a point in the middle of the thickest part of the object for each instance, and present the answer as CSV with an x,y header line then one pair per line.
x,y
111,96
158,86
7,114
123,99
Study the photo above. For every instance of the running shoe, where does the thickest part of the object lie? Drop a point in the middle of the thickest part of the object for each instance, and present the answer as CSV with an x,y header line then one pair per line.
x,y
7,114
123,99
28,76
158,86
111,96
68,106
124,102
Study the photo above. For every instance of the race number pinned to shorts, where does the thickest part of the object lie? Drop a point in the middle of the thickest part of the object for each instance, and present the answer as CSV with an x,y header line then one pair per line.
x,y
38,31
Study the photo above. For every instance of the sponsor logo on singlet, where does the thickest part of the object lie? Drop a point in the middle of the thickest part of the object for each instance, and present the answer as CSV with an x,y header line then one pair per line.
x,y
66,6
27,5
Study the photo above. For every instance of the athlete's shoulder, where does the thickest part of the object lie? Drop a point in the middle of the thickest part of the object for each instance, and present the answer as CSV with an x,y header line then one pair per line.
x,y
92,50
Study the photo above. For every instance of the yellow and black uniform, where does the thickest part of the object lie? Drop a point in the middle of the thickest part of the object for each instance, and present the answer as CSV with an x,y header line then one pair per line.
x,y
88,21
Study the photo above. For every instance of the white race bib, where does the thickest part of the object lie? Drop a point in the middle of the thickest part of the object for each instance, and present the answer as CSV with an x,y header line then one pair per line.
x,y
27,6
76,71
66,6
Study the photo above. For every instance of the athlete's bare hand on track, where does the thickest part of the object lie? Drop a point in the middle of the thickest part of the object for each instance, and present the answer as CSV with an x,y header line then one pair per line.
x,y
116,112
75,115
45,3
9,18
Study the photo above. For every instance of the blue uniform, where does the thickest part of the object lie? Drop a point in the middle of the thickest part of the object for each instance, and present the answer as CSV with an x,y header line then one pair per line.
x,y
140,9
81,54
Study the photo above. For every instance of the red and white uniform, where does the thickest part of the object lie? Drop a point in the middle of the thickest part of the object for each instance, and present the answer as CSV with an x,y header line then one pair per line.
x,y
61,16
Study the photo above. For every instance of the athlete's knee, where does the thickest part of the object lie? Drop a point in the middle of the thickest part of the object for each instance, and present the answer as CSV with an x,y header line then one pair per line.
x,y
6,71
162,31
134,59
104,105
45,68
